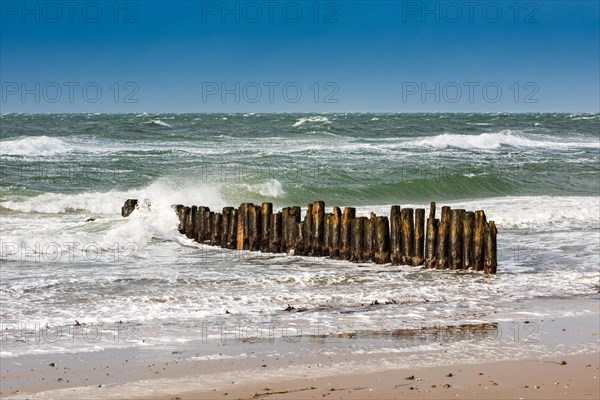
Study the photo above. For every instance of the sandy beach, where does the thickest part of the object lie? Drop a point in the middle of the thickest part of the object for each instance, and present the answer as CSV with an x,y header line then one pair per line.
x,y
560,360
574,377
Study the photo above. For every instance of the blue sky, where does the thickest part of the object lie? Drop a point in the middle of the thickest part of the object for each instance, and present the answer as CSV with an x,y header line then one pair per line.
x,y
300,56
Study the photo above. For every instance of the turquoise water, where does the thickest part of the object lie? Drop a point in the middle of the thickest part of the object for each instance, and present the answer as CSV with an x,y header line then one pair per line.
x,y
536,175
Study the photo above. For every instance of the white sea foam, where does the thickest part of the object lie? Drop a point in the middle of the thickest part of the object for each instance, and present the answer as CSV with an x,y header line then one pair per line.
x,y
35,146
314,119
491,141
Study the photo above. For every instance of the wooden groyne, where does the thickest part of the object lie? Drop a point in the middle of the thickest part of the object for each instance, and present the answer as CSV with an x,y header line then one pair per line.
x,y
457,240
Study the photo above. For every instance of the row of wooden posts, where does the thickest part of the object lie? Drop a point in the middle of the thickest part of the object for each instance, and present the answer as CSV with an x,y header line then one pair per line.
x,y
458,240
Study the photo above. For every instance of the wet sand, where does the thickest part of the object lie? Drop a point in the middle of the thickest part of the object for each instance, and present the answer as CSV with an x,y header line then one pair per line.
x,y
560,361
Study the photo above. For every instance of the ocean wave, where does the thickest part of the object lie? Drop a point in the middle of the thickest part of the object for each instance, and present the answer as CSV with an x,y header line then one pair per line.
x,y
315,119
492,141
157,122
35,146
272,188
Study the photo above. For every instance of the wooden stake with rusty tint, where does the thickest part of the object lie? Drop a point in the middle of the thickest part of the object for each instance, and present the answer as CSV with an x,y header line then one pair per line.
x,y
407,221
254,229
307,227
334,243
431,239
490,256
275,233
479,240
395,235
299,239
382,240
468,223
369,240
327,234
265,217
284,230
318,220
357,239
346,233
232,229
419,237
242,226
443,236
455,252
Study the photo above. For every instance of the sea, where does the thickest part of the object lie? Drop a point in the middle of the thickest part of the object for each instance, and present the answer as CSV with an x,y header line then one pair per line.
x,y
76,277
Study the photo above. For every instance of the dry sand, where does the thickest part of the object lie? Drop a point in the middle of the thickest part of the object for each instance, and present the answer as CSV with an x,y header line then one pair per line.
x,y
571,377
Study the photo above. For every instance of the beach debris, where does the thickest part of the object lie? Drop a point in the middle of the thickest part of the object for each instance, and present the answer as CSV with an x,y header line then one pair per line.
x,y
563,362
449,375
52,364
434,386
410,378
447,386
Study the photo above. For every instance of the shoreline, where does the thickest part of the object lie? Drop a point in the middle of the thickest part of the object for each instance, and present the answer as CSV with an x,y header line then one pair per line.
x,y
208,370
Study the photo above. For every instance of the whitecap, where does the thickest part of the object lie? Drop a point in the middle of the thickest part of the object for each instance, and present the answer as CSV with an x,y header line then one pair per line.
x,y
315,119
36,146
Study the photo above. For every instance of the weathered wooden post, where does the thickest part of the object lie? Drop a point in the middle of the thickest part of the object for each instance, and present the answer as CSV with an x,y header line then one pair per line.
x,y
307,228
491,262
455,259
265,215
292,218
327,234
231,240
206,218
479,240
395,235
468,223
190,223
211,227
368,242
225,228
184,218
299,239
285,241
180,209
430,242
346,233
254,229
199,215
443,238
334,245
419,245
275,237
215,238
407,219
318,227
243,242
358,236
382,240
129,207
